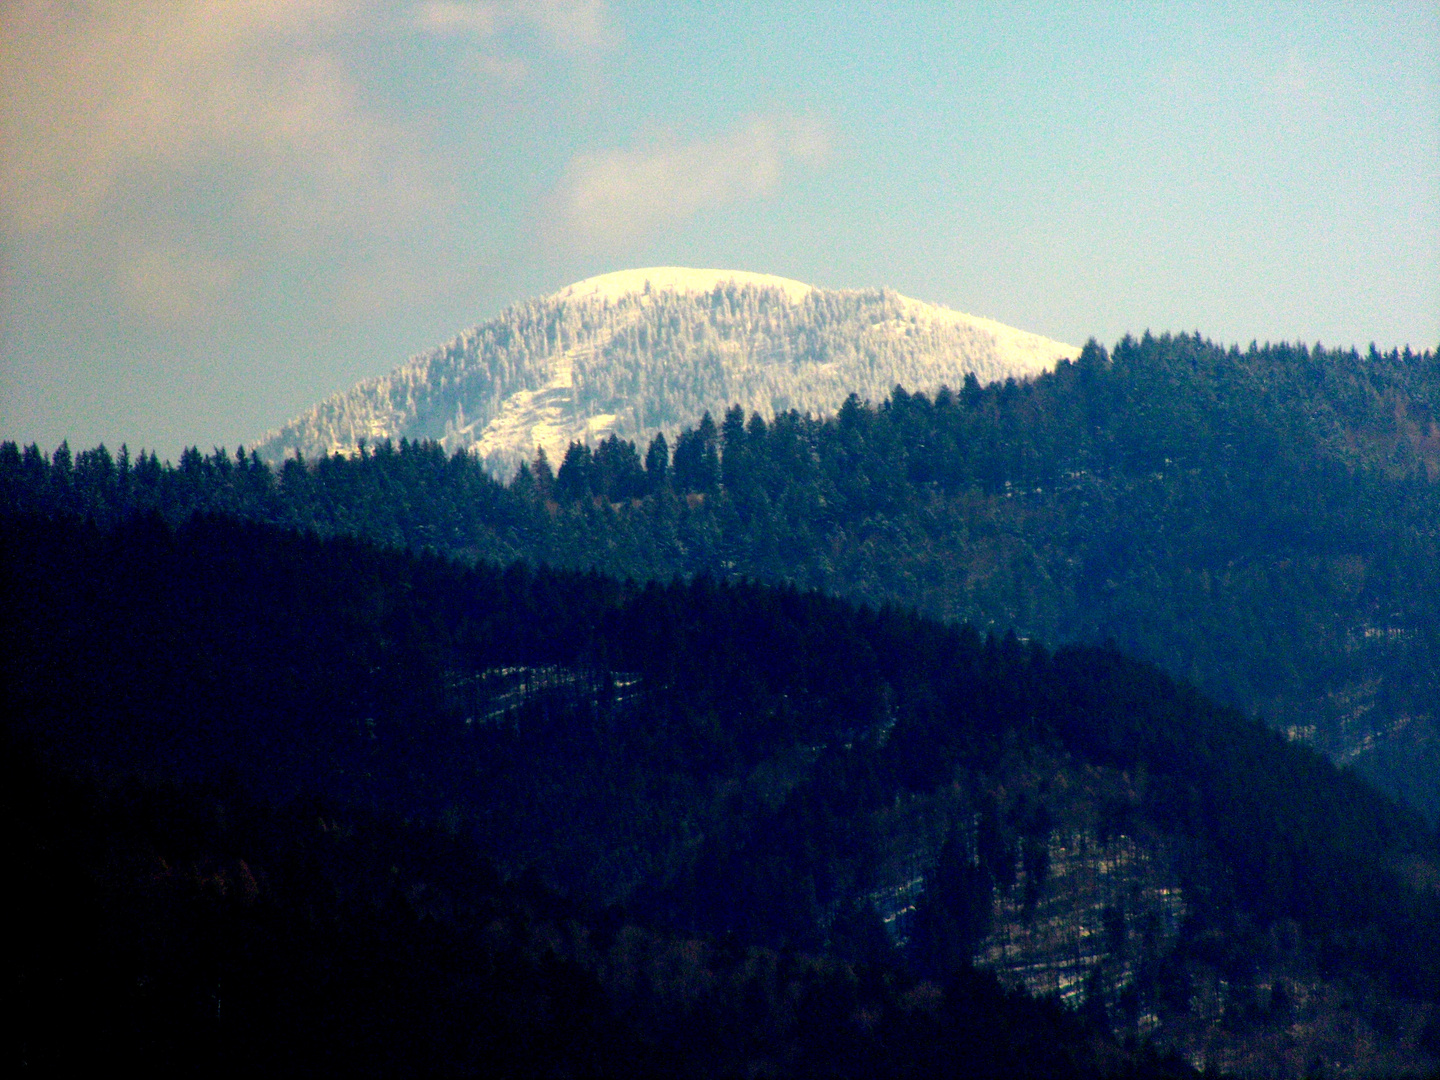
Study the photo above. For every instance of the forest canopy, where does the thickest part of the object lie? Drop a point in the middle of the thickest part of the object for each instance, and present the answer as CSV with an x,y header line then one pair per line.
x,y
1259,522
727,759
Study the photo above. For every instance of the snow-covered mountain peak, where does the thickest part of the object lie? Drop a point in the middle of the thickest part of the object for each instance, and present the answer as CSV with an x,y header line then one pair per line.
x,y
638,352
676,279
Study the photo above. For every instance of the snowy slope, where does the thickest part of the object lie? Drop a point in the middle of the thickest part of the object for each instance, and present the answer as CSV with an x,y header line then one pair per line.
x,y
641,351
677,279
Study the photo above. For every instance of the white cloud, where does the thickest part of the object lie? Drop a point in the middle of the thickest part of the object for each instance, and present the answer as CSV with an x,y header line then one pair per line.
x,y
1293,77
580,28
508,71
165,145
115,91
101,97
174,287
1300,82
480,19
623,194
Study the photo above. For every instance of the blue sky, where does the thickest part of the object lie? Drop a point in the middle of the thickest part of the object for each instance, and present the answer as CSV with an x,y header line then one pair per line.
x,y
215,212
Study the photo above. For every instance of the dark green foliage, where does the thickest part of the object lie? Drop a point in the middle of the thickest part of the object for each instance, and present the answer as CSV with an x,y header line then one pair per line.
x,y
657,465
574,480
184,929
716,754
257,906
619,475
1262,523
697,458
400,683
176,930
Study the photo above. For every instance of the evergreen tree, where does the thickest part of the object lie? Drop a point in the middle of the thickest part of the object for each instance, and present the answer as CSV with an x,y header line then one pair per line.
x,y
574,480
657,464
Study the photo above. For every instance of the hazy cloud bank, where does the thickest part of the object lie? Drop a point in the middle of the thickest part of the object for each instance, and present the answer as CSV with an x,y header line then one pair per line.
x,y
181,150
174,146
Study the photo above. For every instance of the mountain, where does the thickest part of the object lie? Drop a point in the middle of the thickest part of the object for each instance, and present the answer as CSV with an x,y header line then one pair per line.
x,y
790,828
184,928
1264,523
638,352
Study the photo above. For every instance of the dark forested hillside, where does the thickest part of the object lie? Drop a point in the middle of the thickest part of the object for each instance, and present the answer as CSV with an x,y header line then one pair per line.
x,y
1265,524
744,767
177,929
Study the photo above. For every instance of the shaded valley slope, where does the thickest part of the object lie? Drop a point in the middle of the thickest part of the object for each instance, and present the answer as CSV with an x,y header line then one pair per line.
x,y
748,776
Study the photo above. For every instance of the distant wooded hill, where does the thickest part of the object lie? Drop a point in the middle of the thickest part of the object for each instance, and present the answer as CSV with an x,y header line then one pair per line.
x,y
1264,523
814,819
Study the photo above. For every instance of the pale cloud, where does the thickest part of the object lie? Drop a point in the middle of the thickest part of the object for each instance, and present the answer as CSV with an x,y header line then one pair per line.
x,y
166,145
1296,92
101,96
187,152
1301,81
507,71
105,93
624,194
480,19
1294,77
173,287
580,28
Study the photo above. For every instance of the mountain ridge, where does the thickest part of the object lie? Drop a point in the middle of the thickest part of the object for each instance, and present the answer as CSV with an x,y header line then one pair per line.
x,y
735,764
646,351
